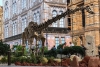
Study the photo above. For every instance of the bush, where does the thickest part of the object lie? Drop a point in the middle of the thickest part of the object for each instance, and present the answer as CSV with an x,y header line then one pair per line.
x,y
61,46
4,48
15,59
73,50
43,60
34,59
4,60
79,50
19,50
52,53
67,51
23,59
18,53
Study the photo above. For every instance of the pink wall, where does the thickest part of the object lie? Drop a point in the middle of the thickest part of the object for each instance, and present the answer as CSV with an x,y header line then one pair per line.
x,y
51,41
68,40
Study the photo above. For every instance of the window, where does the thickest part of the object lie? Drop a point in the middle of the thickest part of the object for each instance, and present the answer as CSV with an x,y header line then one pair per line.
x,y
54,12
62,40
24,20
14,6
38,17
56,41
61,24
23,4
14,27
6,31
6,11
34,17
33,1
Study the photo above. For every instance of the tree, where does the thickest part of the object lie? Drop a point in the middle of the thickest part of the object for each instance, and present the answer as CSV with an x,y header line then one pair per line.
x,y
4,48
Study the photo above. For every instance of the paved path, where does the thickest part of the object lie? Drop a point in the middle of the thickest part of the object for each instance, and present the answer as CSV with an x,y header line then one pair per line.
x,y
13,65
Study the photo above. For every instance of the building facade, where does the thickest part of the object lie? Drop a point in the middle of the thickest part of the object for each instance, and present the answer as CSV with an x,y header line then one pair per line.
x,y
18,13
86,26
1,23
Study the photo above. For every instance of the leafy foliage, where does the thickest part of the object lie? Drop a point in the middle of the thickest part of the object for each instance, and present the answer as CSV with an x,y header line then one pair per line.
x,y
51,53
74,50
4,48
19,50
61,46
4,59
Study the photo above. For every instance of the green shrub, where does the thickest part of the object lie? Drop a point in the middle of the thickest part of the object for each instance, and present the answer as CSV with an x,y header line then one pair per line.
x,y
18,53
51,53
4,60
73,50
23,59
61,46
4,48
43,60
50,58
33,59
29,59
15,59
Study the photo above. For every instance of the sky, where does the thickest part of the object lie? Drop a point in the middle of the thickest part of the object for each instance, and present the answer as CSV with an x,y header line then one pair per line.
x,y
1,3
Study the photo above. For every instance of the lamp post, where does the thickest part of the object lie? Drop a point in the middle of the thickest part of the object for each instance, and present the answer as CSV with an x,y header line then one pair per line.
x,y
61,55
9,57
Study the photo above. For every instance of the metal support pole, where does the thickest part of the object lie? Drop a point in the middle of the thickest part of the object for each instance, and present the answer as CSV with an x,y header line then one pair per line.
x,y
9,57
61,55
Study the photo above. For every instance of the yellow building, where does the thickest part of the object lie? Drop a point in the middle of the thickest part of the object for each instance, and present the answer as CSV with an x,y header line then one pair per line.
x,y
1,22
85,27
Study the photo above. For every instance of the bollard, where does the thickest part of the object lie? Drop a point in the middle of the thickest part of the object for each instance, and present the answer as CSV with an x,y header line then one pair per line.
x,y
9,57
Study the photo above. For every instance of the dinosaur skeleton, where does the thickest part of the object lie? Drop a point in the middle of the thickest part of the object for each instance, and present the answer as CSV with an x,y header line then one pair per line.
x,y
36,31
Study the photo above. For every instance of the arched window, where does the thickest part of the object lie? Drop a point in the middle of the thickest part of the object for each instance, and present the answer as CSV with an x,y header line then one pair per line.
x,y
24,22
6,31
38,17
6,11
34,17
54,13
14,6
61,23
33,1
22,25
23,4
14,27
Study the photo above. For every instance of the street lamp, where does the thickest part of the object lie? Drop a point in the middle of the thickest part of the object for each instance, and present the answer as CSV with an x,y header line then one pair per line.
x,y
61,55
